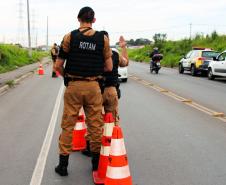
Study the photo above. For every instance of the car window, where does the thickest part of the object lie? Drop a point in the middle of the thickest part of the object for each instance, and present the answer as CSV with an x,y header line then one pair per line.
x,y
210,54
188,54
194,54
222,57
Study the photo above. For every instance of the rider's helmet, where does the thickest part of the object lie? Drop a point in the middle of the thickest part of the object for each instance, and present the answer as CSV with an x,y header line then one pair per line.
x,y
156,49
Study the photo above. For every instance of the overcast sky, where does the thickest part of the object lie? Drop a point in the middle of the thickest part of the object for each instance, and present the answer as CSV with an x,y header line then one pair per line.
x,y
131,18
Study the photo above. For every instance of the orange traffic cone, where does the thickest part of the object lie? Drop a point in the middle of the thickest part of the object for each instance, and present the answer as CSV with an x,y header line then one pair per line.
x,y
79,142
40,70
118,169
100,174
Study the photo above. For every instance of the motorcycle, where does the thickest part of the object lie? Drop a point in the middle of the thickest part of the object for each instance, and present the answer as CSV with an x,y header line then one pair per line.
x,y
155,64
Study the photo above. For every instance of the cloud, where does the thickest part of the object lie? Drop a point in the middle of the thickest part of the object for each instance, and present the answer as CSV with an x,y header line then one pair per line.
x,y
132,18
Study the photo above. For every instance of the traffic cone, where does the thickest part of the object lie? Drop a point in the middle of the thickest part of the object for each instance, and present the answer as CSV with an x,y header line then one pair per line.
x,y
118,172
100,174
40,70
78,141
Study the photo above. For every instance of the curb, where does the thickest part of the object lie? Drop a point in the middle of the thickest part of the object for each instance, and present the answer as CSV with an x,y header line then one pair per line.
x,y
16,81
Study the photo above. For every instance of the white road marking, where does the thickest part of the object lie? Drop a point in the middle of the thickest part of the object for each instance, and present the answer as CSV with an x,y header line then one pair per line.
x,y
41,161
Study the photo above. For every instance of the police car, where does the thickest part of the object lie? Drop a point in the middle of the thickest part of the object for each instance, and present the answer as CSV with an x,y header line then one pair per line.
x,y
217,67
123,73
197,60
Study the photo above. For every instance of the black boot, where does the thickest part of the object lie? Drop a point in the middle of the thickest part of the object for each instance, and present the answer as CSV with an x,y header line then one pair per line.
x,y
54,74
61,169
87,152
95,161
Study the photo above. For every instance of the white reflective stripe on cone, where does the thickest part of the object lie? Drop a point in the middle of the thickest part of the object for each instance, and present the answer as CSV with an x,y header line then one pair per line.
x,y
117,147
80,126
108,129
105,150
118,172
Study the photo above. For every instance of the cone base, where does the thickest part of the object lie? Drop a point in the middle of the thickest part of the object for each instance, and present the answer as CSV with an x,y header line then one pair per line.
x,y
97,179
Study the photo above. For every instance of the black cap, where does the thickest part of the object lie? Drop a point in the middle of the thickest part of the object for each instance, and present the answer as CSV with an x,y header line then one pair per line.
x,y
86,14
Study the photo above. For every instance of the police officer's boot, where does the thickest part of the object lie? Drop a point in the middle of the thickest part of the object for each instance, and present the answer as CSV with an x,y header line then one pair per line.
x,y
95,161
54,74
61,169
87,151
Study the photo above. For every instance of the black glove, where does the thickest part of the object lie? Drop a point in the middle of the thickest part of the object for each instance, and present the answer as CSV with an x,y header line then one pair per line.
x,y
118,93
118,90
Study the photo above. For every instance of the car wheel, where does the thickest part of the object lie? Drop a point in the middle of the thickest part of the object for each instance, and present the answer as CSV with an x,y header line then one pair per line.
x,y
124,80
193,70
181,69
210,74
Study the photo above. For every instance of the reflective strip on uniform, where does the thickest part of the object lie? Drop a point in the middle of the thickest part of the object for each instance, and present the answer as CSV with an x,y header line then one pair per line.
x,y
118,172
117,147
105,150
108,129
80,126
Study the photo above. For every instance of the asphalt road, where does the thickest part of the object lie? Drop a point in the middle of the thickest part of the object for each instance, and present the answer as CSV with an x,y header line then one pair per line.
x,y
167,142
208,93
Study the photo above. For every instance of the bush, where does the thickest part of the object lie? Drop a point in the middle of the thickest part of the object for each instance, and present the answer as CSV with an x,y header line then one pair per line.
x,y
12,57
174,50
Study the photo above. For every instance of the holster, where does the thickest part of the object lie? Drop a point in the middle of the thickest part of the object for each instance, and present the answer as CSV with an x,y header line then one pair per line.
x,y
66,80
101,84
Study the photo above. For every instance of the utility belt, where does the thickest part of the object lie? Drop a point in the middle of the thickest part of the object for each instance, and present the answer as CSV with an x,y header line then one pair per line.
x,y
68,79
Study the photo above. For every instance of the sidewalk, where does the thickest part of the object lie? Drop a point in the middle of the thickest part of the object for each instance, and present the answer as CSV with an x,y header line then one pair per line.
x,y
12,75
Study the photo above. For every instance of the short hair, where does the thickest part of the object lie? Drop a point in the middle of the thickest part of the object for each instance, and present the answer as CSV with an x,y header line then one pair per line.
x,y
86,14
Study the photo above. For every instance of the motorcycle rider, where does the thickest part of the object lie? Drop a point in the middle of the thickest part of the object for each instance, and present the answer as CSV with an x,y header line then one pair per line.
x,y
154,52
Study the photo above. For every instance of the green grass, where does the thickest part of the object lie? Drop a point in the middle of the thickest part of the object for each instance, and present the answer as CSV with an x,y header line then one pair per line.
x,y
12,57
10,83
173,51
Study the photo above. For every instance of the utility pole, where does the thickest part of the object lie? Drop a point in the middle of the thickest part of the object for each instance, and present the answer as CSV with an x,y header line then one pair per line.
x,y
20,23
29,32
47,34
190,30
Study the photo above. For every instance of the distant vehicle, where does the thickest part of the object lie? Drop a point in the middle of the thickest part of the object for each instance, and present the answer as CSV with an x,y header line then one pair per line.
x,y
217,67
197,60
123,73
155,64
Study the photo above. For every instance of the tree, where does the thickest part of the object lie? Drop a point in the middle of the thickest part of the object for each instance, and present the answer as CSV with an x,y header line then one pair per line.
x,y
214,35
159,37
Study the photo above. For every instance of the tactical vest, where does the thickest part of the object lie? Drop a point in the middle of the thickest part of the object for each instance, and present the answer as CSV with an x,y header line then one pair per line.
x,y
111,78
85,57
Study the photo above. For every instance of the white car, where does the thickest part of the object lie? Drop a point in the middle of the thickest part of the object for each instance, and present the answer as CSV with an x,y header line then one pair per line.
x,y
217,67
123,73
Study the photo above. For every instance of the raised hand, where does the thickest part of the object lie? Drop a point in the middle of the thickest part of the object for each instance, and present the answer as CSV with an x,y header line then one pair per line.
x,y
122,42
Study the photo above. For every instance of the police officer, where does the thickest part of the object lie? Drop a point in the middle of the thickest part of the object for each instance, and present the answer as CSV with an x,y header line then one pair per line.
x,y
111,83
88,55
111,86
54,53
